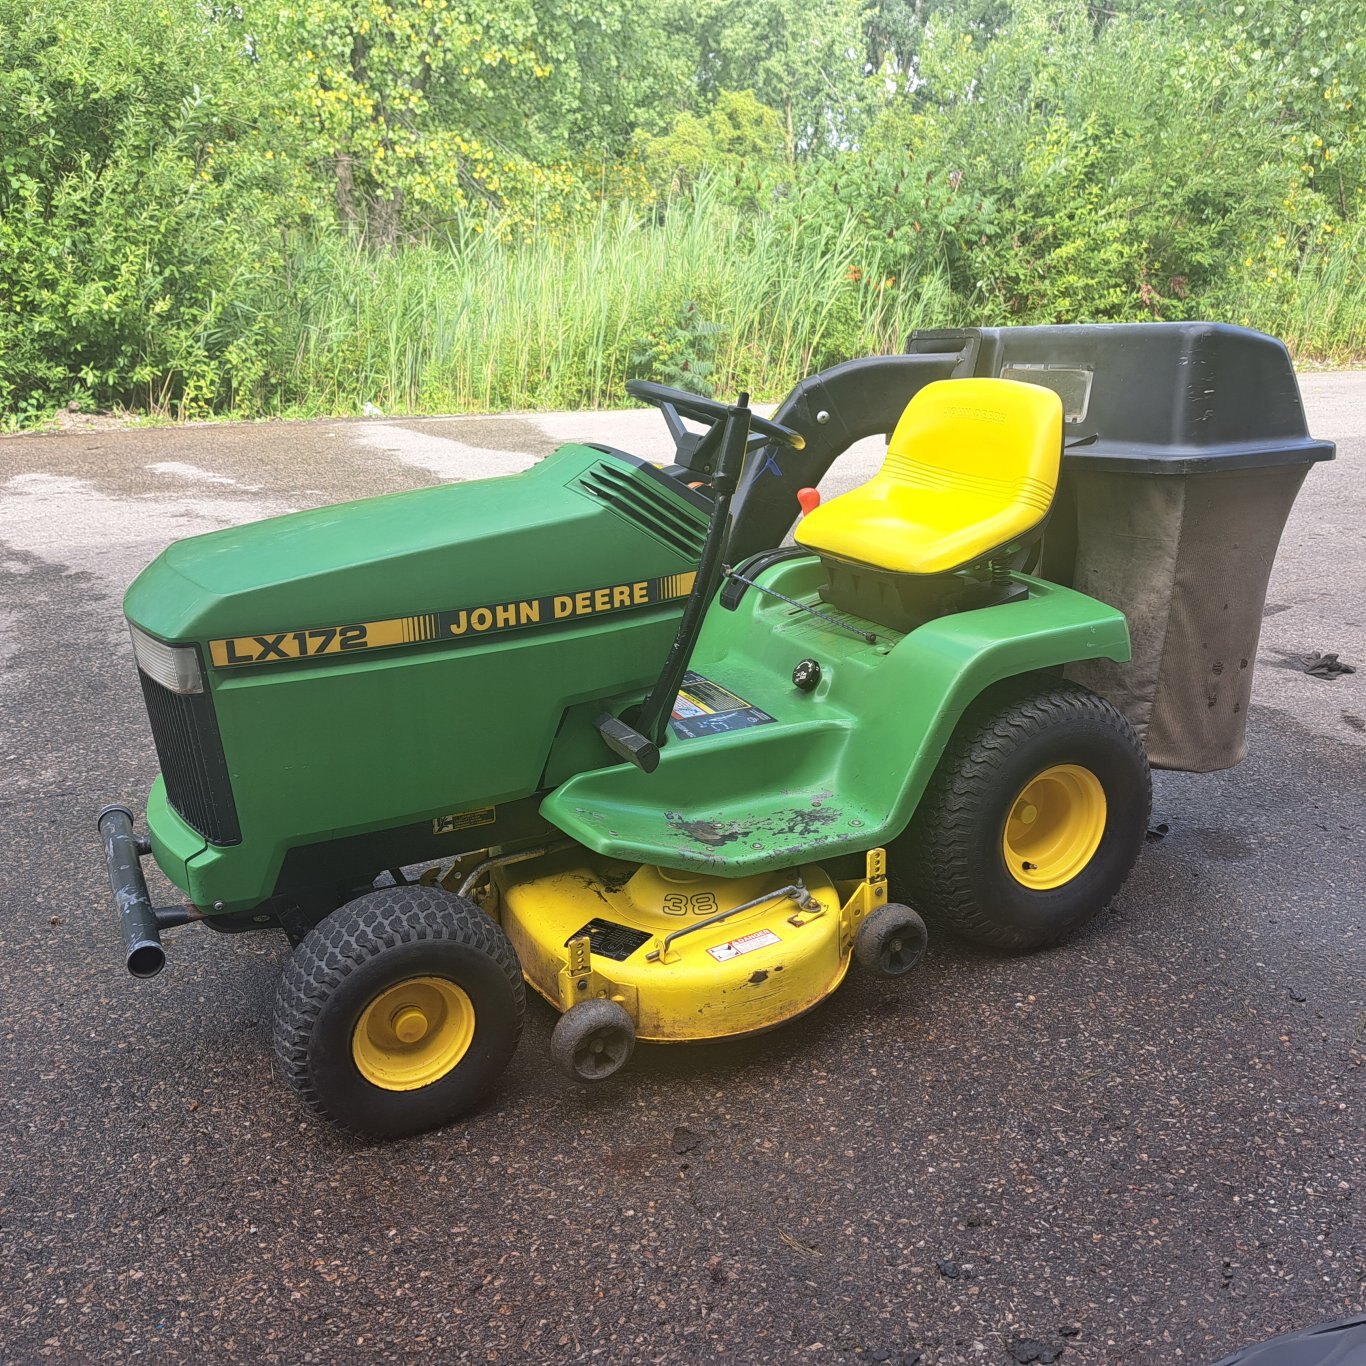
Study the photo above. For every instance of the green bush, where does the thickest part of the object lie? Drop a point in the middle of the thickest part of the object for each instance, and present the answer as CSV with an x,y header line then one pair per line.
x,y
140,213
681,355
192,193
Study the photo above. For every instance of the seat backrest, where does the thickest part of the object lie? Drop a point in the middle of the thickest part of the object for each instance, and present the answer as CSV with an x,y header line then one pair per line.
x,y
971,470
996,438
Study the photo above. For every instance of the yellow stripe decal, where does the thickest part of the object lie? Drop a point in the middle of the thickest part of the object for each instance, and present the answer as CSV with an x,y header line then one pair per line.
x,y
459,626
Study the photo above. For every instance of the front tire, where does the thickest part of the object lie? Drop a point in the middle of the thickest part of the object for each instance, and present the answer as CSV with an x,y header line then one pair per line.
x,y
1033,819
398,1011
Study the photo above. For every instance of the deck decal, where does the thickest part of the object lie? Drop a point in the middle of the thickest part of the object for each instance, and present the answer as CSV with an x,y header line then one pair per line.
x,y
607,939
747,943
458,626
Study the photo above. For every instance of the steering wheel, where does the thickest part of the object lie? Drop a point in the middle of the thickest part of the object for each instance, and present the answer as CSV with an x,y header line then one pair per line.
x,y
676,404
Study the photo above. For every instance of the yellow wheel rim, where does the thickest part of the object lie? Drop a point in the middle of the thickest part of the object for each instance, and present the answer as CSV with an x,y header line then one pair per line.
x,y
413,1033
1054,826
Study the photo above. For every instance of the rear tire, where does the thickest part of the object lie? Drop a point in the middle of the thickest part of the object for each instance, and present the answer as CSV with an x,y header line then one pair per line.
x,y
1033,819
398,1011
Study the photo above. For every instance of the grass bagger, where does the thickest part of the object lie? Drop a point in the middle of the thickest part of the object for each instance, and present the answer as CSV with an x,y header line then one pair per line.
x,y
598,729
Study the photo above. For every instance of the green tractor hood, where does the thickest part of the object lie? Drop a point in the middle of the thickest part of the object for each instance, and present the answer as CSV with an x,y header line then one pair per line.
x,y
413,661
435,550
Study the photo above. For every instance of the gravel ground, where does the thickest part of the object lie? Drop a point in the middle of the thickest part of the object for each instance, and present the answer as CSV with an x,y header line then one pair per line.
x,y
1146,1146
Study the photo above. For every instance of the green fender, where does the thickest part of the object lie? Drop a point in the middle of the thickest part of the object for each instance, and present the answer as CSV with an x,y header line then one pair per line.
x,y
837,770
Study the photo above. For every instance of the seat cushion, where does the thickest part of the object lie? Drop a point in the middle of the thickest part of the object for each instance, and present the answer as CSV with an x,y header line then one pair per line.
x,y
971,470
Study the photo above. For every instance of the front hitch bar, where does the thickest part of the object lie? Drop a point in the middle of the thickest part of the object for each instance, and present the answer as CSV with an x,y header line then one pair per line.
x,y
140,922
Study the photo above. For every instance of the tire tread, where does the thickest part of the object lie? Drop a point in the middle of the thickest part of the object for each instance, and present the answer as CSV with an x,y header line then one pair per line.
x,y
933,853
353,935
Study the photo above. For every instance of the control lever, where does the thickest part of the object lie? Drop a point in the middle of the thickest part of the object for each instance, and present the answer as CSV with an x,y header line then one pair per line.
x,y
638,740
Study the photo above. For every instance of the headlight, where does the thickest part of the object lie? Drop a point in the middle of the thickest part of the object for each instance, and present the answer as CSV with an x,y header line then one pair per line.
x,y
173,666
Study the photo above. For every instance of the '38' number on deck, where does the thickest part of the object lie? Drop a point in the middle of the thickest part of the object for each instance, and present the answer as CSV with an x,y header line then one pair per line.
x,y
694,903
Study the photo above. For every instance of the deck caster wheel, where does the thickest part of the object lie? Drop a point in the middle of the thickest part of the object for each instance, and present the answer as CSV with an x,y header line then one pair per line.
x,y
593,1040
891,941
398,1011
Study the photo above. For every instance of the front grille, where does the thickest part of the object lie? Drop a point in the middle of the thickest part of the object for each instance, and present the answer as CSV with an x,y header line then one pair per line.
x,y
651,509
192,763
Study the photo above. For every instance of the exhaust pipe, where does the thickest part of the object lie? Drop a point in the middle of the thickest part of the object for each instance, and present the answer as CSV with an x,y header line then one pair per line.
x,y
140,922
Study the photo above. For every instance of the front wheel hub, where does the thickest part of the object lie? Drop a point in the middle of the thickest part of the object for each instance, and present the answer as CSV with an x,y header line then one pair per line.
x,y
413,1033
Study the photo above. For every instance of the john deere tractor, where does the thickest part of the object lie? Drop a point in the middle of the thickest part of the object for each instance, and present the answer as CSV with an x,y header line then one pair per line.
x,y
596,728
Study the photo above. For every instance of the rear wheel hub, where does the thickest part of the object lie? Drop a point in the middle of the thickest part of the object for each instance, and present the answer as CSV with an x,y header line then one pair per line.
x,y
1054,826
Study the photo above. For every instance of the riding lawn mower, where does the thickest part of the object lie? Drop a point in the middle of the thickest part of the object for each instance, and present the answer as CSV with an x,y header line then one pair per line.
x,y
604,729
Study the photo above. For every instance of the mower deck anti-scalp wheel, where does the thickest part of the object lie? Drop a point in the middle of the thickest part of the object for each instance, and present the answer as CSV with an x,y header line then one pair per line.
x,y
398,1011
891,941
593,1040
1033,818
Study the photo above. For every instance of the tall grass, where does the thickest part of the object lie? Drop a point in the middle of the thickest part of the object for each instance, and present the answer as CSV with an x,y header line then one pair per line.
x,y
472,324
1313,299
1324,315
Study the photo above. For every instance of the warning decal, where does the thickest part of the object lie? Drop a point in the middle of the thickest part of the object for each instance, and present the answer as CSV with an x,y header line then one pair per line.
x,y
703,707
464,820
760,939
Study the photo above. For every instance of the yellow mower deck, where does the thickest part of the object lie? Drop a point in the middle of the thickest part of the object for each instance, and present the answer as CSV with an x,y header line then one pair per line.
x,y
686,954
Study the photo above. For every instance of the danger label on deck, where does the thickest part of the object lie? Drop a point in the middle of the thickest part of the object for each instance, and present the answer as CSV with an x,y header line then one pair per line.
x,y
759,939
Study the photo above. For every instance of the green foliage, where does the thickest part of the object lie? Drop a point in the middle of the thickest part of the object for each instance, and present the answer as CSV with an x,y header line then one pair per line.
x,y
908,216
803,58
1311,294
136,200
1070,250
406,100
305,205
736,144
481,325
1131,156
1308,62
682,355
417,111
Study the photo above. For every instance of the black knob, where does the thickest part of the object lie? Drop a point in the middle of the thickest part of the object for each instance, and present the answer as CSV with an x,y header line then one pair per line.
x,y
806,675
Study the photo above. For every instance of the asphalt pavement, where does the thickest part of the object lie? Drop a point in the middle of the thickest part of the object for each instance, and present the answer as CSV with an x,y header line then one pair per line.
x,y
1145,1146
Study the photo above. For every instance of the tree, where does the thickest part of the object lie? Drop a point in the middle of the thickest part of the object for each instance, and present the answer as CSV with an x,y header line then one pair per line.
x,y
407,99
804,58
138,184
736,141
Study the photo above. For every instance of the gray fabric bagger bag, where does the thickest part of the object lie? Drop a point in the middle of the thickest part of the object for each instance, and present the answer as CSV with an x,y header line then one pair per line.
x,y
1187,558
1188,447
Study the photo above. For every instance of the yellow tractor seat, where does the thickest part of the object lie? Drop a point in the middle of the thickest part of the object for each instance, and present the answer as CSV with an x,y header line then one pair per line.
x,y
970,472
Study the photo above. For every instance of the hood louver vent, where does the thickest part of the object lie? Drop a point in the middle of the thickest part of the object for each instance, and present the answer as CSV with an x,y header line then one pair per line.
x,y
649,508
